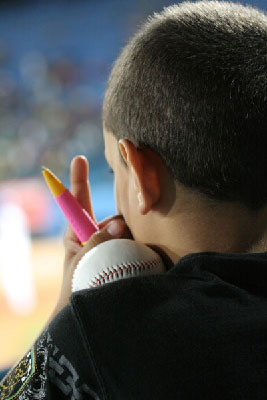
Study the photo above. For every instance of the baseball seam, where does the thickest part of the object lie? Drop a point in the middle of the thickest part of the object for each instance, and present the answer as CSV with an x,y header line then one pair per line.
x,y
122,270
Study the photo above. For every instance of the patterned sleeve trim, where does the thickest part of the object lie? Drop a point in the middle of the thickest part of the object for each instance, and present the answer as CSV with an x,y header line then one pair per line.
x,y
27,379
42,365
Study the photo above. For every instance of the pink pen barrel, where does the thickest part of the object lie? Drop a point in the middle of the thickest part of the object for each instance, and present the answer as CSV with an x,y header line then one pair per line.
x,y
79,219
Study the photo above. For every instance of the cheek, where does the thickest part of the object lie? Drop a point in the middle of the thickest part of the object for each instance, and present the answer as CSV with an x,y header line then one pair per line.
x,y
126,204
117,194
117,197
121,195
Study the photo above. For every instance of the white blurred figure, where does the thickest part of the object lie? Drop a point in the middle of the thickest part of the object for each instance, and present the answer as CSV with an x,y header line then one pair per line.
x,y
15,259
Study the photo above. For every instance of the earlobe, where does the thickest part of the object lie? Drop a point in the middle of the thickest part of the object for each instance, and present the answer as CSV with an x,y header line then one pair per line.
x,y
141,203
145,205
140,199
149,195
151,189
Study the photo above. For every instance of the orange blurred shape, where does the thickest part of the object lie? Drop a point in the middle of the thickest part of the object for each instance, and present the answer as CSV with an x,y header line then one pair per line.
x,y
32,196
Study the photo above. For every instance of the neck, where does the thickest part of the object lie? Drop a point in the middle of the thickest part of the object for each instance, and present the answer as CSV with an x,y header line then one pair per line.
x,y
202,228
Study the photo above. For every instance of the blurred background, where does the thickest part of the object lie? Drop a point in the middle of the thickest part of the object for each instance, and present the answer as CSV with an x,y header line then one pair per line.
x,y
55,59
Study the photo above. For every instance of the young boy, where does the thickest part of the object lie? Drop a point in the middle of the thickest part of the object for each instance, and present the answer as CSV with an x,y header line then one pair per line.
x,y
184,119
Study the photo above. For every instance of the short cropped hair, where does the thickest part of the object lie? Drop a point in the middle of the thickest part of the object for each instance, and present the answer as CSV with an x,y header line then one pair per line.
x,y
192,86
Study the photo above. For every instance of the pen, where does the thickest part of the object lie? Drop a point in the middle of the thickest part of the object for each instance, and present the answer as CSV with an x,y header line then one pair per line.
x,y
78,218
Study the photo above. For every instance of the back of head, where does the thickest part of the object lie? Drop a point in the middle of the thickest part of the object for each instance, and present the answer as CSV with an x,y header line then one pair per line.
x,y
192,86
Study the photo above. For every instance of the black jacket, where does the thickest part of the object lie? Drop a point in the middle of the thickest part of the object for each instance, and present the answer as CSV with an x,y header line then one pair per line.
x,y
197,332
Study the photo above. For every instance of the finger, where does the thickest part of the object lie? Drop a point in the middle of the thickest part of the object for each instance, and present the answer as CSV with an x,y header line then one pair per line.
x,y
99,237
127,234
80,186
72,244
104,222
71,237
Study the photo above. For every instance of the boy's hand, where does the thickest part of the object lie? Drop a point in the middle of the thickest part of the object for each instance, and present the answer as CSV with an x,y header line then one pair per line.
x,y
74,251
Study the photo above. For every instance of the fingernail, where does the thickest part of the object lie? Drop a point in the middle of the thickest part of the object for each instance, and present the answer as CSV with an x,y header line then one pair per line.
x,y
114,228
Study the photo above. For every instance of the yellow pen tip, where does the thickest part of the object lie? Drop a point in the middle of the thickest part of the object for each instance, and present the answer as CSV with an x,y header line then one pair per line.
x,y
54,184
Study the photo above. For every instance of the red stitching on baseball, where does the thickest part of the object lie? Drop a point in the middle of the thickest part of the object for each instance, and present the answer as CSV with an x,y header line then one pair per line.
x,y
98,281
106,274
142,265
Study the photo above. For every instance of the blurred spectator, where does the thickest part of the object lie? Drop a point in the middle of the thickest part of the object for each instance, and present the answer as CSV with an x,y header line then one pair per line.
x,y
15,266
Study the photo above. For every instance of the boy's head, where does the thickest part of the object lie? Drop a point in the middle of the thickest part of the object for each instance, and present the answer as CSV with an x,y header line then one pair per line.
x,y
190,91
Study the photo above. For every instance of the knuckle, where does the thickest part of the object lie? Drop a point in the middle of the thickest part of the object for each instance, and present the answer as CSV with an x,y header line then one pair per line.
x,y
104,222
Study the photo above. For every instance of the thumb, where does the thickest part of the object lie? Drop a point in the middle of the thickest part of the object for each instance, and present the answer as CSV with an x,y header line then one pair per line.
x,y
113,230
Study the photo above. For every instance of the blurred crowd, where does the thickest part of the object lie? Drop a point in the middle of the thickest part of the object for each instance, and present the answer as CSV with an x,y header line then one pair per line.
x,y
51,93
55,58
47,116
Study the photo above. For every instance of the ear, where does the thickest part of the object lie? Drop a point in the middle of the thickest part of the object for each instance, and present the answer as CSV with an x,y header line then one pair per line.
x,y
124,148
149,188
144,165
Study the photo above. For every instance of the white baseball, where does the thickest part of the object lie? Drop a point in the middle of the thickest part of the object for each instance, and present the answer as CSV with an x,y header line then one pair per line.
x,y
113,260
